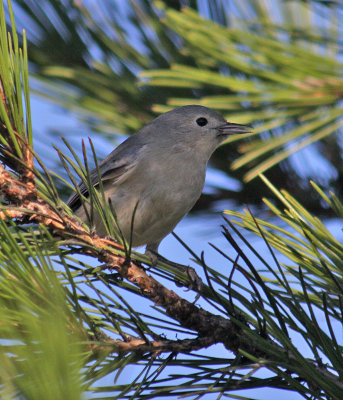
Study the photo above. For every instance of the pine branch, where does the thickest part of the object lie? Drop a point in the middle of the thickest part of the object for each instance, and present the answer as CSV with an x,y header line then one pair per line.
x,y
211,329
134,344
256,330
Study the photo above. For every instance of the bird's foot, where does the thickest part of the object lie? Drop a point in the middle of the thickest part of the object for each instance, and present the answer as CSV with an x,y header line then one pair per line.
x,y
195,281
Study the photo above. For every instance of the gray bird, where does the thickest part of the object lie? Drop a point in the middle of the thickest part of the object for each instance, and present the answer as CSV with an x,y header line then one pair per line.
x,y
160,171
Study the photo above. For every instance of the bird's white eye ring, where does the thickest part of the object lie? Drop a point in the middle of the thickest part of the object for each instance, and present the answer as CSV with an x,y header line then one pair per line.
x,y
201,121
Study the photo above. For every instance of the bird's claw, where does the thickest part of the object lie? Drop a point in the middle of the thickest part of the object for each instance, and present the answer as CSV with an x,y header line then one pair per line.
x,y
195,283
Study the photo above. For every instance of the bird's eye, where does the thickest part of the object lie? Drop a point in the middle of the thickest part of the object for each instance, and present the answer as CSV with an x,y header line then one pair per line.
x,y
201,121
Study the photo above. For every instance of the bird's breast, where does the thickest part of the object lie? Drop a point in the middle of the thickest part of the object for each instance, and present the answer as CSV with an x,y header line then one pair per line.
x,y
162,193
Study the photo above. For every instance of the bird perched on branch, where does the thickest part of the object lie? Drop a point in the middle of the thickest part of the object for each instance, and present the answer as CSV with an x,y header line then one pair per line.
x,y
154,178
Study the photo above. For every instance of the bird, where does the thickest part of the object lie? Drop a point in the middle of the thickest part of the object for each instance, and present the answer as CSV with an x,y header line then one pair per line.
x,y
154,178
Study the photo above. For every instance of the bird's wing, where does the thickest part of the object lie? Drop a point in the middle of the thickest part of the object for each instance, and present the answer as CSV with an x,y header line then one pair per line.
x,y
115,166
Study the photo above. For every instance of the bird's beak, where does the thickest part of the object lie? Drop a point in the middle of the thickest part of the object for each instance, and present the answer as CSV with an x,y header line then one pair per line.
x,y
232,129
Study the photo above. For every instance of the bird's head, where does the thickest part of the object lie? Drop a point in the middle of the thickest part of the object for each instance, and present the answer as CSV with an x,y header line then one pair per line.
x,y
196,127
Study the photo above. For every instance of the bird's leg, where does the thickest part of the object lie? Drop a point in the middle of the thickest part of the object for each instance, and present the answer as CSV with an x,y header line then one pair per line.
x,y
196,282
152,252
